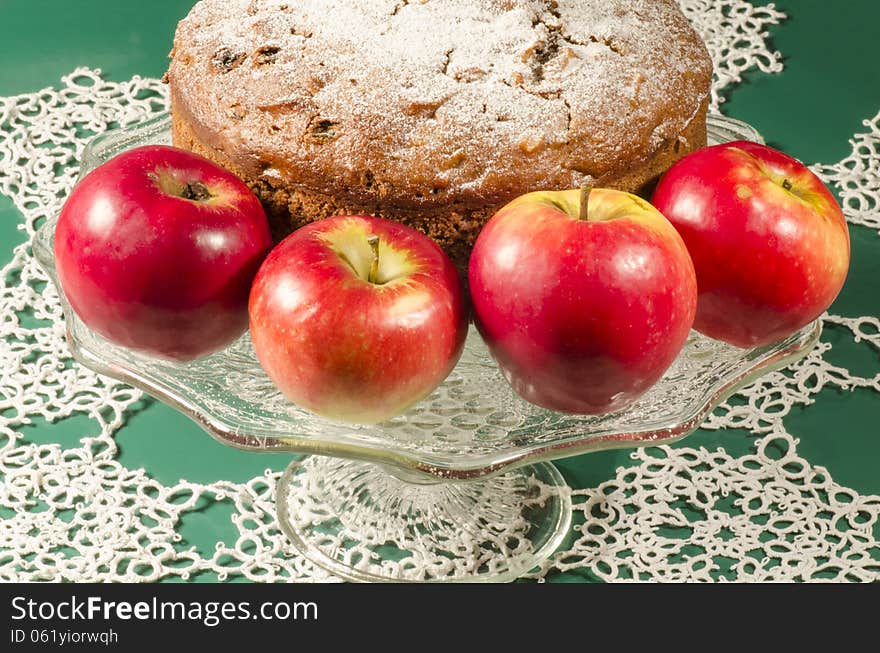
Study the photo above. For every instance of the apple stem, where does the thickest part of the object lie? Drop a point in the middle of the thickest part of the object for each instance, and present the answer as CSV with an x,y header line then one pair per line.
x,y
374,264
586,189
195,191
786,184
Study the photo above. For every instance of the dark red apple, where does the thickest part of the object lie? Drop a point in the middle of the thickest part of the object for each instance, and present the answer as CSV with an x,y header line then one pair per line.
x,y
156,250
355,318
768,240
584,305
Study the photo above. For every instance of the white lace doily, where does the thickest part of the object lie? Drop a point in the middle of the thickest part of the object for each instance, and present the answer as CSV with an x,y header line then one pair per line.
x,y
77,514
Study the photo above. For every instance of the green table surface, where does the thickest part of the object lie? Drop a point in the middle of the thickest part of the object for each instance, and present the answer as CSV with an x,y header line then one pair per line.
x,y
831,83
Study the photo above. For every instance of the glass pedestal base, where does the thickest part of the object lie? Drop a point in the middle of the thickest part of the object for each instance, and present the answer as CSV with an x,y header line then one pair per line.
x,y
363,522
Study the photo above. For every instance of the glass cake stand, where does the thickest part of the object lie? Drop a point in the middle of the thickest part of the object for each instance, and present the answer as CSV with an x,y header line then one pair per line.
x,y
459,488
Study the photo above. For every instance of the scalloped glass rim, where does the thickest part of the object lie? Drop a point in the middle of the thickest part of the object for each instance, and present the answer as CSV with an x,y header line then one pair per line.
x,y
472,426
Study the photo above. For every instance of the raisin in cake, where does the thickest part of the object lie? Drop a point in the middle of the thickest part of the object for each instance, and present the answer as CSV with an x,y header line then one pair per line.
x,y
435,112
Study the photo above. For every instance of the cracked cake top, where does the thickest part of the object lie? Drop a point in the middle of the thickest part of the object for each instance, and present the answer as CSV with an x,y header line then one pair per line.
x,y
460,99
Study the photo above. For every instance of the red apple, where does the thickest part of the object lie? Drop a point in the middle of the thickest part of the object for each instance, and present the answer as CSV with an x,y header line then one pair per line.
x,y
355,318
768,240
584,305
156,250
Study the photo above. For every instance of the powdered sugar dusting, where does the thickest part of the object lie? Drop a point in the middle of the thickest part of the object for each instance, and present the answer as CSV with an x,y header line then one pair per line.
x,y
471,90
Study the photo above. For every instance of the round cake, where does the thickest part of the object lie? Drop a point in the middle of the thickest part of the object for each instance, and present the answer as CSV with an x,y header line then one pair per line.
x,y
435,112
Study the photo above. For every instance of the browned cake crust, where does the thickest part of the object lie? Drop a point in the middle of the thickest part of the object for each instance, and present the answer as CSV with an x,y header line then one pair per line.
x,y
435,113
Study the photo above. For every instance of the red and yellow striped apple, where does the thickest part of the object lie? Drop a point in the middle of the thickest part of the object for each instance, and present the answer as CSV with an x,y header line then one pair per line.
x,y
355,318
768,240
584,298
